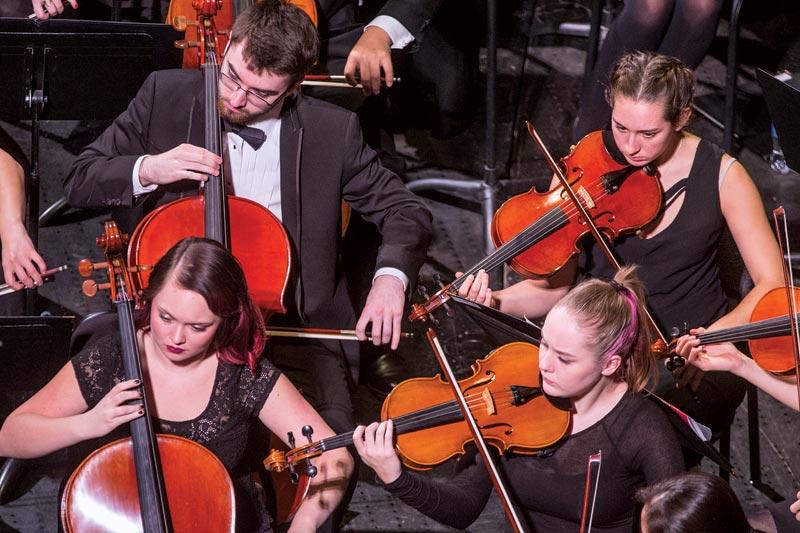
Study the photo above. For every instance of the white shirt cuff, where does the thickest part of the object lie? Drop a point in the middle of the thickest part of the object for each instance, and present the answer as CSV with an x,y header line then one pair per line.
x,y
390,271
398,33
138,188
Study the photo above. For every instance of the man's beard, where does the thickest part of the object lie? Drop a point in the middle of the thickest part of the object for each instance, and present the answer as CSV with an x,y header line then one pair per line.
x,y
234,117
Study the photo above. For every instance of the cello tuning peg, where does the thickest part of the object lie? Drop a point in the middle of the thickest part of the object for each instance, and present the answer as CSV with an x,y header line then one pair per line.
x,y
308,431
290,438
90,287
184,44
438,280
180,22
674,332
86,267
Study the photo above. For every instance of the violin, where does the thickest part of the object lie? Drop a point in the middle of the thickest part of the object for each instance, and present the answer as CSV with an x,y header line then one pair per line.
x,y
148,482
503,393
537,233
249,230
768,334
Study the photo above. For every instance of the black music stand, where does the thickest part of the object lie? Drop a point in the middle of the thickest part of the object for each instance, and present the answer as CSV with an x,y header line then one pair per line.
x,y
32,350
501,327
74,70
782,93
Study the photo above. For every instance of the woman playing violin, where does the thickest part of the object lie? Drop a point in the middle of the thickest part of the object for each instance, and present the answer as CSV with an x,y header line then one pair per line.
x,y
595,352
706,192
200,338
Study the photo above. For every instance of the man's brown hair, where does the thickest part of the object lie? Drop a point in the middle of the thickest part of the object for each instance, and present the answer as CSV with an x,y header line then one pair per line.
x,y
278,37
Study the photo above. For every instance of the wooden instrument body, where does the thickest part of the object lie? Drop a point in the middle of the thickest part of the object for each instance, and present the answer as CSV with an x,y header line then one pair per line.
x,y
101,495
523,429
589,170
258,240
774,354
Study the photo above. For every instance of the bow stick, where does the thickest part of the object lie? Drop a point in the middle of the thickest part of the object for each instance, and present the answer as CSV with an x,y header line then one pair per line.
x,y
782,231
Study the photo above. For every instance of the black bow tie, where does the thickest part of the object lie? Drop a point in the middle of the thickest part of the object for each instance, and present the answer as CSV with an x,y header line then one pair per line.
x,y
252,136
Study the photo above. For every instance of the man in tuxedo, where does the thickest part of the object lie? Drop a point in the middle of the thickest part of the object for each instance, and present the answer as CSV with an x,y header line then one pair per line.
x,y
439,40
310,156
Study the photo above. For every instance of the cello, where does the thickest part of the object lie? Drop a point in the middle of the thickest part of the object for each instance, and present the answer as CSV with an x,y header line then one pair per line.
x,y
252,233
180,13
148,482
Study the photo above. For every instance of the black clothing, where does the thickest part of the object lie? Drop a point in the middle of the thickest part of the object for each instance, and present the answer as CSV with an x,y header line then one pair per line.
x,y
639,447
223,426
323,161
679,268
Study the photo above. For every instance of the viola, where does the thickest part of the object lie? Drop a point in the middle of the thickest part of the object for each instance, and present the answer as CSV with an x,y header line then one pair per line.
x,y
250,231
537,233
504,395
153,483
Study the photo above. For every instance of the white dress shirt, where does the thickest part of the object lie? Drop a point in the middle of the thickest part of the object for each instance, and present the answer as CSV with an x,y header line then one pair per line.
x,y
255,175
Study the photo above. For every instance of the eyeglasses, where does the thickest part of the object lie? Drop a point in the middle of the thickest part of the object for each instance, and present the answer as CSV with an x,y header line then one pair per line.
x,y
233,85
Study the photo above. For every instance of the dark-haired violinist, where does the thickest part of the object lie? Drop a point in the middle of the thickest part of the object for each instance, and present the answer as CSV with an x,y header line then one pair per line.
x,y
595,351
706,193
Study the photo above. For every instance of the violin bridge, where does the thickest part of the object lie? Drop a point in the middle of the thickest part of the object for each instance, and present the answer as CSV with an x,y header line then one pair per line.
x,y
585,198
488,400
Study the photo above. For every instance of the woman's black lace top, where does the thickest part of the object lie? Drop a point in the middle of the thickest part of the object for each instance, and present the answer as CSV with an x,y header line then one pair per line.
x,y
223,427
639,448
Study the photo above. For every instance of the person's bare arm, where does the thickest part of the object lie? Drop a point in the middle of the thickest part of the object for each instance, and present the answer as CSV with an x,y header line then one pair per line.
x,y
22,264
286,410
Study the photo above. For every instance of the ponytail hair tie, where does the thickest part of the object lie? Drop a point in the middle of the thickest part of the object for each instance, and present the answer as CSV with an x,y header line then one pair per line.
x,y
617,286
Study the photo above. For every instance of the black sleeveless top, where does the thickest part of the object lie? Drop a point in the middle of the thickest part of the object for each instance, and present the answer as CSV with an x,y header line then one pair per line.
x,y
679,265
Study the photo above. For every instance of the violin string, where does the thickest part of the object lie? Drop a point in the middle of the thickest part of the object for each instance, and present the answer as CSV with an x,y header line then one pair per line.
x,y
450,408
404,423
768,327
532,234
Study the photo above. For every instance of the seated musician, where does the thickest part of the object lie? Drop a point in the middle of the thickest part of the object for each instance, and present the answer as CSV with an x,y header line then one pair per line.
x,y
707,193
693,501
308,157
724,357
595,351
22,265
200,339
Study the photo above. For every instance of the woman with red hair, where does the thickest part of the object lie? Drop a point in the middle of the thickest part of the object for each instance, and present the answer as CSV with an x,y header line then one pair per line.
x,y
200,338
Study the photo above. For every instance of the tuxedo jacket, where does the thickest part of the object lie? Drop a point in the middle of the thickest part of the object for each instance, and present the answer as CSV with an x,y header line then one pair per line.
x,y
323,160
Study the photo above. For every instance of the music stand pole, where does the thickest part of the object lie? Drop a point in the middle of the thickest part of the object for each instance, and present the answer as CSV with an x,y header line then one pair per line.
x,y
485,188
34,101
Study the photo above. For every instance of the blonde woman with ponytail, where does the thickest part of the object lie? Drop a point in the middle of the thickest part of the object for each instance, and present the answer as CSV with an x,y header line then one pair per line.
x,y
595,352
706,193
